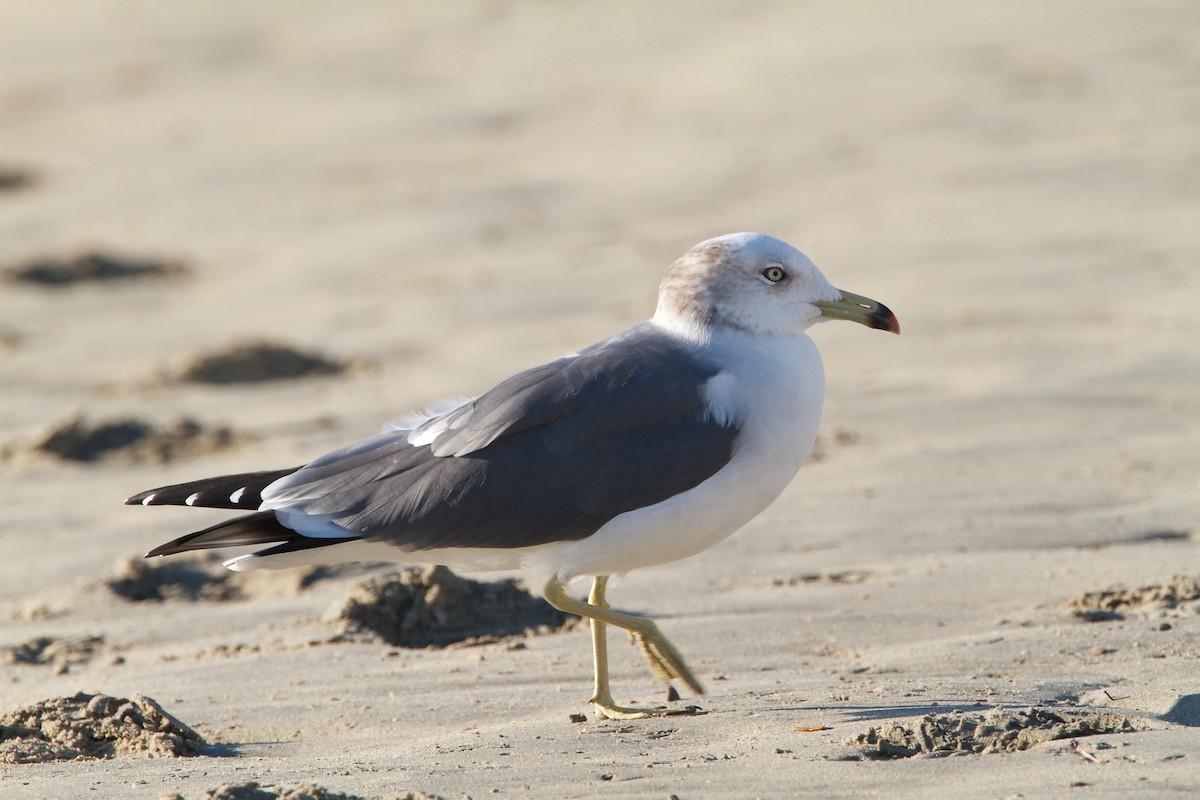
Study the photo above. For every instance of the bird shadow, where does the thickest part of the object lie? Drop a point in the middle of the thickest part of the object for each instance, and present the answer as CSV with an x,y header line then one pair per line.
x,y
235,749
1185,711
221,750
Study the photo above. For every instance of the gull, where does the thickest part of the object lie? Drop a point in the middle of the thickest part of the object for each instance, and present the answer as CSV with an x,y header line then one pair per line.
x,y
644,448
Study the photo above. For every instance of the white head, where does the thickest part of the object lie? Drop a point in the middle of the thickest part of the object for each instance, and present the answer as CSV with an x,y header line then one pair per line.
x,y
756,283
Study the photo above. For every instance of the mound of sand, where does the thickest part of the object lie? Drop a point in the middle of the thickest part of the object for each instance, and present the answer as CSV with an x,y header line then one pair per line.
x,y
15,178
254,362
202,578
1178,597
255,791
60,653
132,440
94,726
433,607
194,578
90,267
997,731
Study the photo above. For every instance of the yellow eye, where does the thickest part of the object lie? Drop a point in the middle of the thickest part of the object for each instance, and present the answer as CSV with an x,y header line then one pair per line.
x,y
774,274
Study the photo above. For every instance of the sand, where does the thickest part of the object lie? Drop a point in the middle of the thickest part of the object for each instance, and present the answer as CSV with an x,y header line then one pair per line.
x,y
1001,523
996,731
434,607
87,727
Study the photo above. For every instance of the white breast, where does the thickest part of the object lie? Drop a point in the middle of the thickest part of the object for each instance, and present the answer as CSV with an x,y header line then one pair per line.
x,y
775,388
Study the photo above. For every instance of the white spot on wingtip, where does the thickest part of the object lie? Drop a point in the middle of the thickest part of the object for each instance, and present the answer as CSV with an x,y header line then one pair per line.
x,y
148,499
236,497
235,564
192,498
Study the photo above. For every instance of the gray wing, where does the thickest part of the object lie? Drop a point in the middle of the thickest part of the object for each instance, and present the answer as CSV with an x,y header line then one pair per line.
x,y
550,454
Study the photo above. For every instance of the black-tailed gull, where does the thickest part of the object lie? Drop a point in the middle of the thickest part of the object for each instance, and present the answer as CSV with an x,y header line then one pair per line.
x,y
647,447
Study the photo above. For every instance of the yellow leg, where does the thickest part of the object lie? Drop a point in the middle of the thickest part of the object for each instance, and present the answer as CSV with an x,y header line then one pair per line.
x,y
664,660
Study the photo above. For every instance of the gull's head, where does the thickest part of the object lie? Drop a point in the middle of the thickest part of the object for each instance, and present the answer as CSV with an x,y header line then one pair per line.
x,y
756,283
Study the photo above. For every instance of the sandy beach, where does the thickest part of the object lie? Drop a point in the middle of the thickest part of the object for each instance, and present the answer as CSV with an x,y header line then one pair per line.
x,y
237,236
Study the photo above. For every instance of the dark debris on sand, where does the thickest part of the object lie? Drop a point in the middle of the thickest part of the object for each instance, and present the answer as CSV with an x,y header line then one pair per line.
x,y
14,178
255,362
132,440
433,607
56,272
94,726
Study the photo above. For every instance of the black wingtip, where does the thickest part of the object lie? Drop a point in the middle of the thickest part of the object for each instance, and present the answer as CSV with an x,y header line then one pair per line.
x,y
240,491
261,527
181,545
168,549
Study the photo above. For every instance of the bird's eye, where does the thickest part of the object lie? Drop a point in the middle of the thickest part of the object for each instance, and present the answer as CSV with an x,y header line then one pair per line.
x,y
774,274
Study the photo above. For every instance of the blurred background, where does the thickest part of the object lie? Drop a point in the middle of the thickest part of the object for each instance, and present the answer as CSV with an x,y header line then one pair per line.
x,y
234,236
430,196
